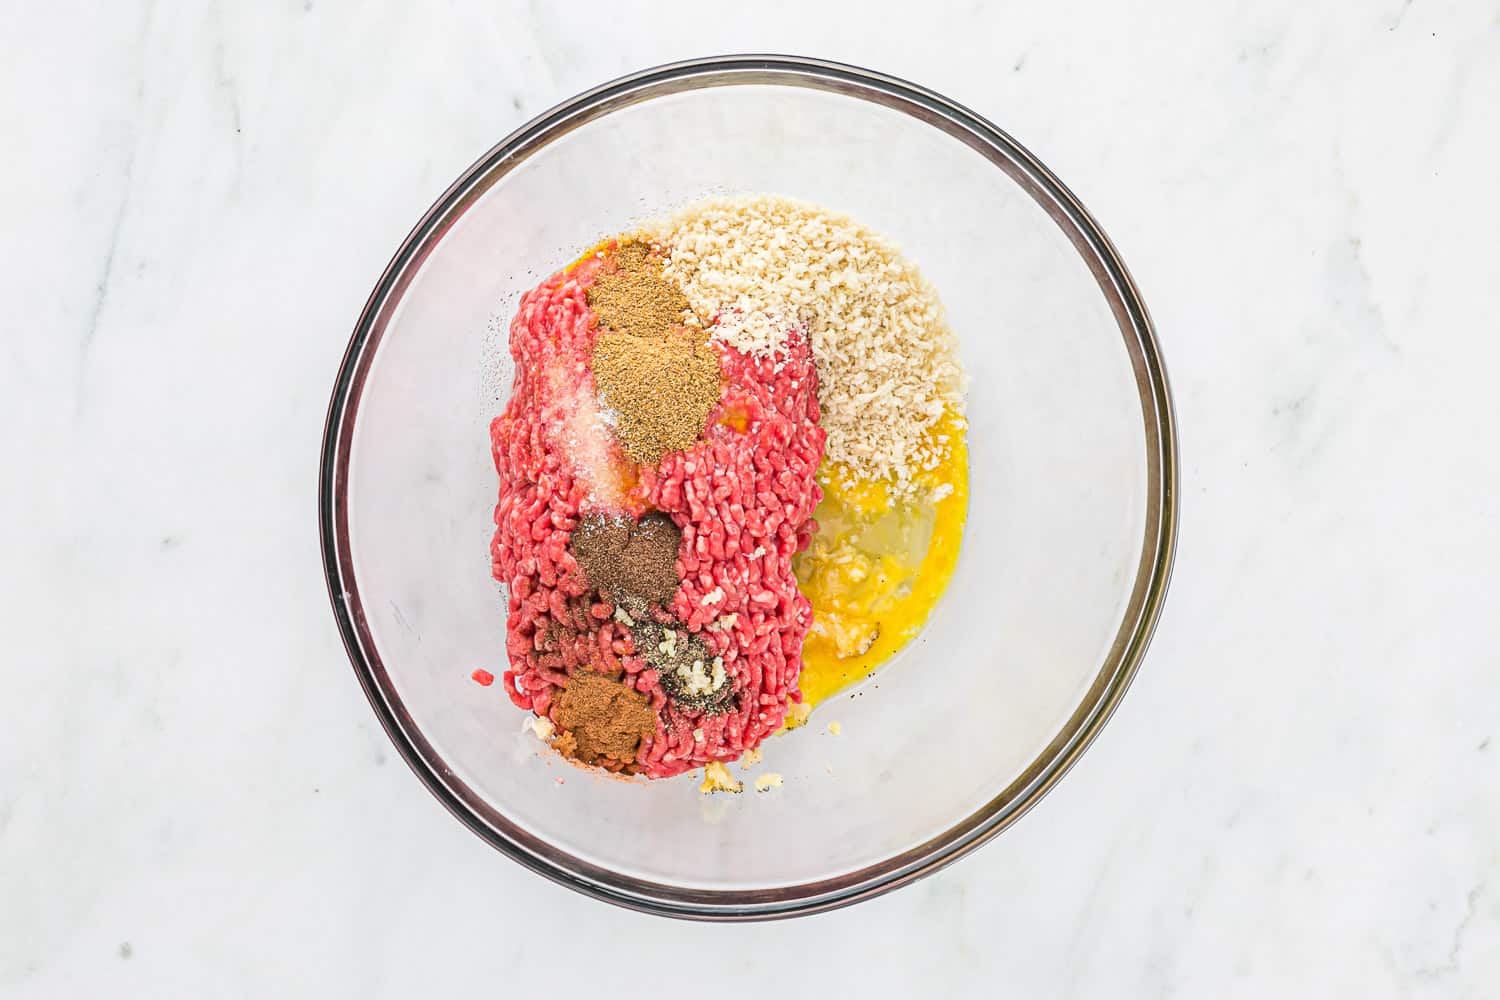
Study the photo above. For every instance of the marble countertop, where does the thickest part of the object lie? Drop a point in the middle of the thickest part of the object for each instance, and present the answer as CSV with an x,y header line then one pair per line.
x,y
1299,797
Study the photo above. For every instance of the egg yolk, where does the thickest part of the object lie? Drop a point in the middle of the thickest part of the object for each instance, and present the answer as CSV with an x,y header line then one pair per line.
x,y
875,568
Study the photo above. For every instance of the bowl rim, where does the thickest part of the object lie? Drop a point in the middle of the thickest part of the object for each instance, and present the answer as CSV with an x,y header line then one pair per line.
x,y
1076,734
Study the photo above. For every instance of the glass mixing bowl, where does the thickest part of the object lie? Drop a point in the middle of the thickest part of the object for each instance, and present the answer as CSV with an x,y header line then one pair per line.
x,y
1071,521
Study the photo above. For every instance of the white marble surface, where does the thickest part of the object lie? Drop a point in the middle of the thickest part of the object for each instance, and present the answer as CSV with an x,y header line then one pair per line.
x,y
1301,794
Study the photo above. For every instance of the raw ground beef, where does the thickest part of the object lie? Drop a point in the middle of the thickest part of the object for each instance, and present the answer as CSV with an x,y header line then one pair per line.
x,y
743,497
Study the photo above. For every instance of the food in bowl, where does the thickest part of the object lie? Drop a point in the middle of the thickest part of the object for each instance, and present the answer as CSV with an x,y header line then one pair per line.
x,y
733,481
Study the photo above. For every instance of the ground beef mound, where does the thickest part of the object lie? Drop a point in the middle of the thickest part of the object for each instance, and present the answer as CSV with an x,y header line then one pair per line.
x,y
741,498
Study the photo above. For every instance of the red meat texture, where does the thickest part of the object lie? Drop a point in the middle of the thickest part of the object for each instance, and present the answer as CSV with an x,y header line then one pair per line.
x,y
743,497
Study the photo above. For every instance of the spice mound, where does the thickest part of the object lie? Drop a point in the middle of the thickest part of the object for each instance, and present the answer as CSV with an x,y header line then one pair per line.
x,y
633,562
657,377
602,718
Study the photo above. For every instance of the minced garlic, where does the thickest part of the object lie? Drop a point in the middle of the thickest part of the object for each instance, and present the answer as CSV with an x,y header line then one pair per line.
x,y
539,726
716,778
796,714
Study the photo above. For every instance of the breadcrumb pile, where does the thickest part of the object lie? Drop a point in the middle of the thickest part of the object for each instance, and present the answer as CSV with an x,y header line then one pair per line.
x,y
758,267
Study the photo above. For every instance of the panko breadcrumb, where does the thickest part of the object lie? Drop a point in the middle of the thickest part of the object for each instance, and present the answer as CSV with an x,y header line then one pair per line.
x,y
759,265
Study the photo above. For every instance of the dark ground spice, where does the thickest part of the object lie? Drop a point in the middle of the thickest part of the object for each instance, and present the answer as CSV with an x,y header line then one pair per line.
x,y
626,559
673,660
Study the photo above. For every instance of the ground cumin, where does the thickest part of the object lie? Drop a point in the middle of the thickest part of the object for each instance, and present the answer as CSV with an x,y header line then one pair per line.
x,y
599,717
656,376
632,296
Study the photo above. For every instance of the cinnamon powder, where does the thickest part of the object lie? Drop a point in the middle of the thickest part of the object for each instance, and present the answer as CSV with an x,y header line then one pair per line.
x,y
601,718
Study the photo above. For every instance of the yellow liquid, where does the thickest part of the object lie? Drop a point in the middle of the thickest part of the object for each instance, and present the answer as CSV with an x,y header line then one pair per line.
x,y
602,247
875,569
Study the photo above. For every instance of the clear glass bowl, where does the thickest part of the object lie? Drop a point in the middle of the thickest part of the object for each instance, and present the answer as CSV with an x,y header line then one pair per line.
x,y
1072,511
